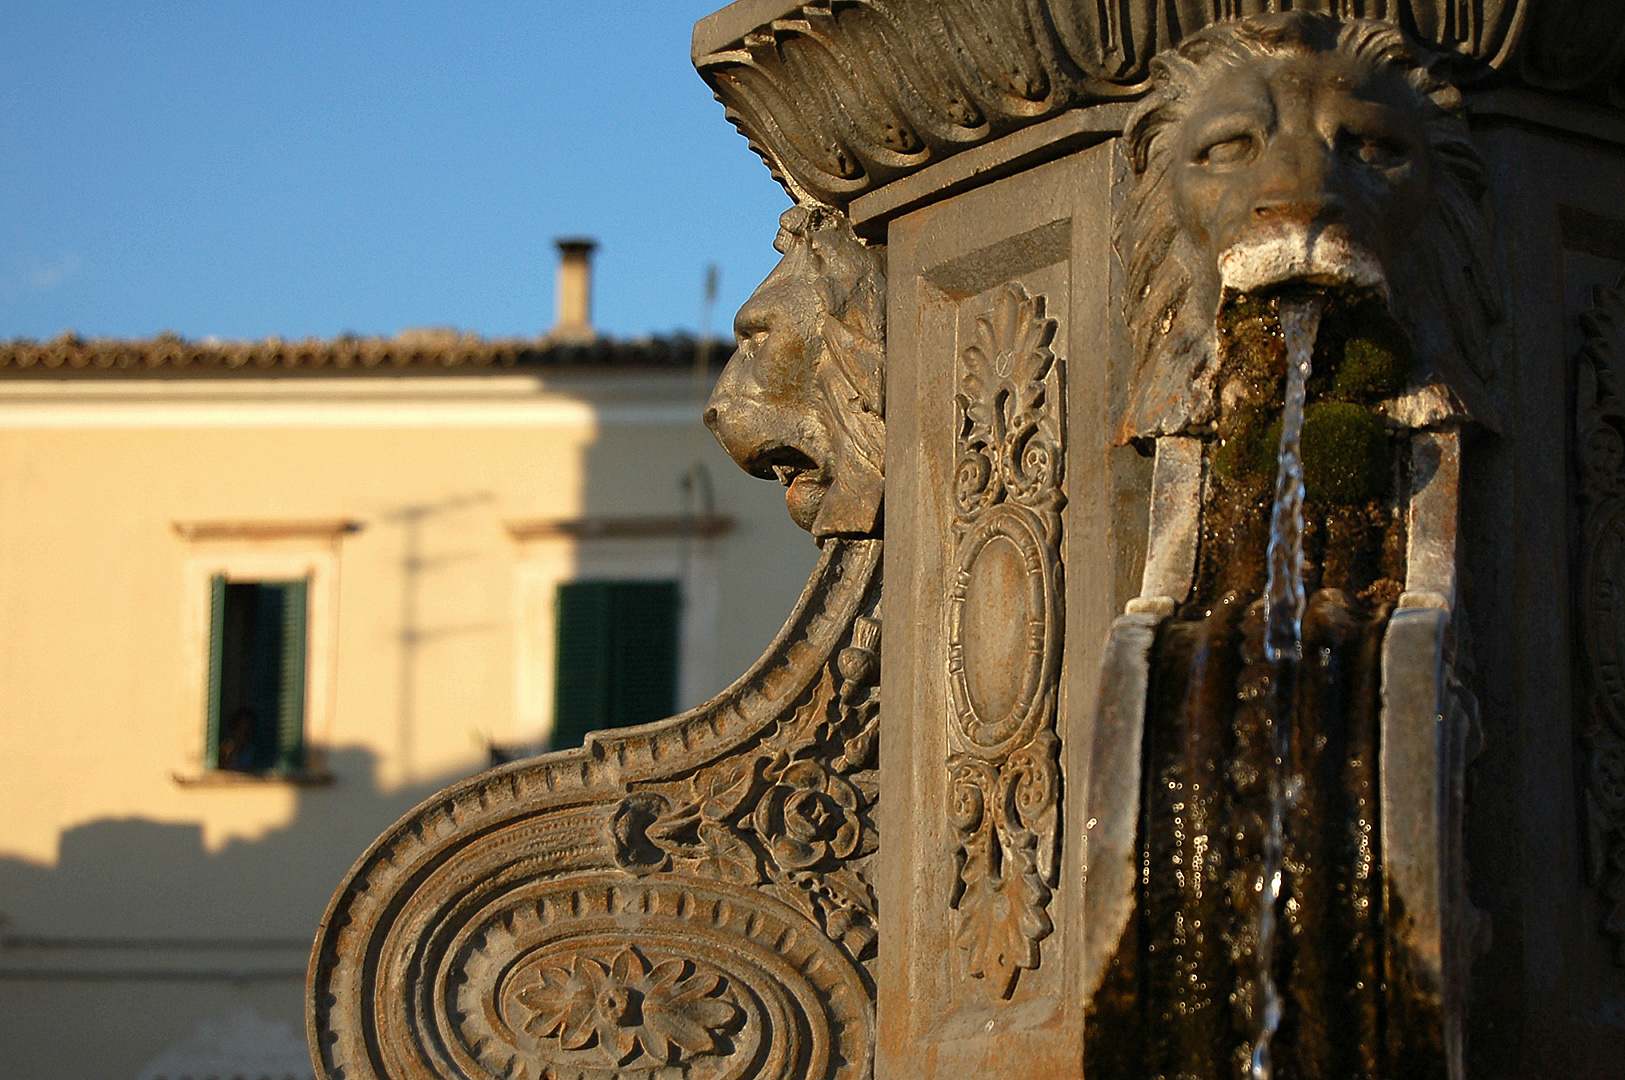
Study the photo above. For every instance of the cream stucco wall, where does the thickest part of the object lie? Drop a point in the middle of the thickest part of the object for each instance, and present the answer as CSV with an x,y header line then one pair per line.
x,y
429,638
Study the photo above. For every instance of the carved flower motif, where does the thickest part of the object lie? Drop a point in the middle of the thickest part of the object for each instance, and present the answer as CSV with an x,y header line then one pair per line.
x,y
628,1008
809,814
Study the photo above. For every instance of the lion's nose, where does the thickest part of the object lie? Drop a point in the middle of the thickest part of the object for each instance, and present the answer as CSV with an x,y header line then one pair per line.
x,y
727,413
1299,210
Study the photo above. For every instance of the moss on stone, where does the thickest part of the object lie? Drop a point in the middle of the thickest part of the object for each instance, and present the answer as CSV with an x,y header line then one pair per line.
x,y
1254,351
1345,453
1243,454
1377,359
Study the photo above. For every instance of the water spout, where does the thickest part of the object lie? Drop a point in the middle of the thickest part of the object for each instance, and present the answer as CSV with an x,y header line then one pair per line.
x,y
1283,648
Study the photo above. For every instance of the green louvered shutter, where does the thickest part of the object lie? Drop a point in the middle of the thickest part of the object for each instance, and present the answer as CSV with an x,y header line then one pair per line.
x,y
645,652
582,659
217,655
290,726
616,656
262,657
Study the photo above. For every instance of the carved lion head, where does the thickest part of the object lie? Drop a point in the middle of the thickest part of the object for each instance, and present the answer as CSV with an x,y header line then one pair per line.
x,y
1300,148
802,398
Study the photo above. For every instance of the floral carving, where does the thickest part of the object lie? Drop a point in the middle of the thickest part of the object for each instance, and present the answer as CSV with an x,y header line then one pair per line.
x,y
793,816
808,816
1600,445
668,1012
1003,765
1009,444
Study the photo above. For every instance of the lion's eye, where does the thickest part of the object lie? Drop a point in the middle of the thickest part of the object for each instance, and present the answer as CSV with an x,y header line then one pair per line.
x,y
1229,151
1374,149
1377,152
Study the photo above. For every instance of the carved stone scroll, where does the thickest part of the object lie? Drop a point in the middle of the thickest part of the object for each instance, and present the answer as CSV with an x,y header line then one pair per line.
x,y
689,898
1600,445
1004,637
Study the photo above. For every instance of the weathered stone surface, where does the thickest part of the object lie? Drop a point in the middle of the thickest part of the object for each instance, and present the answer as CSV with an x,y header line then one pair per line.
x,y
1029,371
1600,441
840,98
802,398
1013,538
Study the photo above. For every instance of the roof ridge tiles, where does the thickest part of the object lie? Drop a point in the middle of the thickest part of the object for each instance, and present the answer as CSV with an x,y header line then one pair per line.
x,y
167,353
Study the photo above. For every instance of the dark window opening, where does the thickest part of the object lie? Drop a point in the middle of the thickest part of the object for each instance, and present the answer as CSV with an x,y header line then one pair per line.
x,y
256,676
616,657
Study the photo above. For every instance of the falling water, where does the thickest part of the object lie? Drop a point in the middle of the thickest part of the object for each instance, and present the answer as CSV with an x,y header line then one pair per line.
x,y
1283,647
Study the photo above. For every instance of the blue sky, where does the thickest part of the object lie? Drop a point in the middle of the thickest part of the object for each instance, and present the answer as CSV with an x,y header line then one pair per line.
x,y
246,168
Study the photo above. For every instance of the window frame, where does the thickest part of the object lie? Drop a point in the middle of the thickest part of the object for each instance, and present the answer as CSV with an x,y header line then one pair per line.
x,y
243,560
295,617
550,559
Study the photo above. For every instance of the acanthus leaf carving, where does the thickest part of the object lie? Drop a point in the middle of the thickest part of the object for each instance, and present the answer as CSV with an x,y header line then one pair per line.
x,y
667,1012
1004,759
841,98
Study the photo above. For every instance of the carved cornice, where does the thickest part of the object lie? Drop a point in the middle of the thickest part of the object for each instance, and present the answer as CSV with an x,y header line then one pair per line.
x,y
321,529
842,96
688,897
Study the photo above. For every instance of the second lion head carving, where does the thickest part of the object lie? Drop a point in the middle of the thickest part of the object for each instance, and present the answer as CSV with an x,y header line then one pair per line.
x,y
802,398
1300,148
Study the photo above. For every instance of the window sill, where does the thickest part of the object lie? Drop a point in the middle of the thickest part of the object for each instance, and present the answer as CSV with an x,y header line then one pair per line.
x,y
226,778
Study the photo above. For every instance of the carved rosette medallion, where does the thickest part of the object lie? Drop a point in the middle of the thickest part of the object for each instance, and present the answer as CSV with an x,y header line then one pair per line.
x,y
1600,445
1004,637
711,984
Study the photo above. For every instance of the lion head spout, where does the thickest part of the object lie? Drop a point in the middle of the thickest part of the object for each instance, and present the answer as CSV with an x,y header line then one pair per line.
x,y
803,397
1300,149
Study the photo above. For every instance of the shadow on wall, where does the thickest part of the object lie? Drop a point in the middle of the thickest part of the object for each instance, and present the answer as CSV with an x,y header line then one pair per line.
x,y
143,956
135,877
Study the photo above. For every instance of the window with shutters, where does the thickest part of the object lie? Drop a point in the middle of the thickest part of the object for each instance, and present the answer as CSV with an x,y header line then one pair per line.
x,y
256,688
616,656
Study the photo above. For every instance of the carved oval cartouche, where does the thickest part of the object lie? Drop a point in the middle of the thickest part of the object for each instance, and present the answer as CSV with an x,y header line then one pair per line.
x,y
596,976
1004,638
999,630
996,609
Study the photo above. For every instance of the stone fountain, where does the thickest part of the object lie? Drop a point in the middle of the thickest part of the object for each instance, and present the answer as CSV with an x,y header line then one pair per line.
x,y
1230,402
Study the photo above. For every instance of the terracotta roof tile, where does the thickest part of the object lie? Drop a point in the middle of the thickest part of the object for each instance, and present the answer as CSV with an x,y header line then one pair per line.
x,y
413,351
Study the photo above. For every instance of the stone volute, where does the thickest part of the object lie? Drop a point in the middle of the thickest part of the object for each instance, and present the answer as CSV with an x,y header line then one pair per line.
x,y
1087,317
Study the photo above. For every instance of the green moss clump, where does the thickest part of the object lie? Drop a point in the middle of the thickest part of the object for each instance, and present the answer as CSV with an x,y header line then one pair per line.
x,y
1345,453
1245,454
1377,359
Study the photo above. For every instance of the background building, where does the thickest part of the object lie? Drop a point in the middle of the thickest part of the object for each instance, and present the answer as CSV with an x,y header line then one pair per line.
x,y
258,599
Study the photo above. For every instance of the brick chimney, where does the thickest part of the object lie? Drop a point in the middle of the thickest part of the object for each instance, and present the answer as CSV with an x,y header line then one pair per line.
x,y
575,290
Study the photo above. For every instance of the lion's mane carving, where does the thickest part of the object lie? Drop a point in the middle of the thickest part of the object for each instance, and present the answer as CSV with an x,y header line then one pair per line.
x,y
803,397
1439,275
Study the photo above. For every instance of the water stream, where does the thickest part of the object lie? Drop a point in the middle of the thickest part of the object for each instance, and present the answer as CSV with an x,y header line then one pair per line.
x,y
1284,602
1257,950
